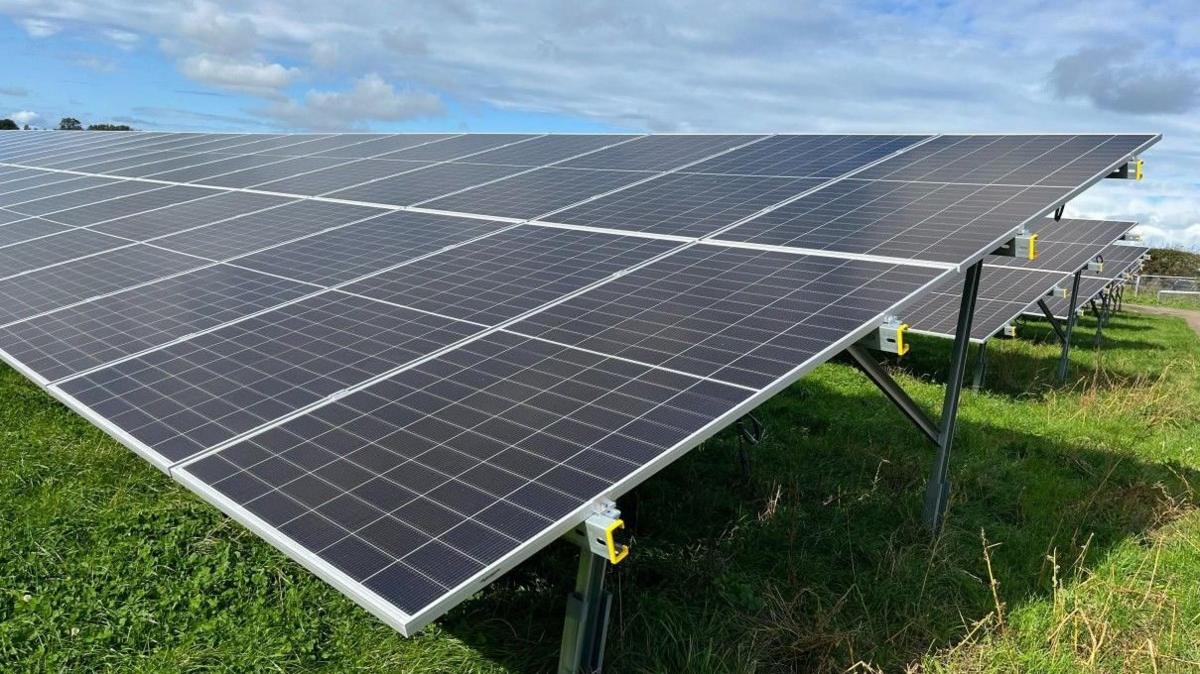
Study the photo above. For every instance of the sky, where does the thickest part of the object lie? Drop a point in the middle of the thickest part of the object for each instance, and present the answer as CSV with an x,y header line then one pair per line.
x,y
591,65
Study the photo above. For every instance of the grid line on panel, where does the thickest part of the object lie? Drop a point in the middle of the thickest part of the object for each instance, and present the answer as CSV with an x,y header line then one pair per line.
x,y
81,160
195,394
218,207
56,249
28,229
534,193
111,209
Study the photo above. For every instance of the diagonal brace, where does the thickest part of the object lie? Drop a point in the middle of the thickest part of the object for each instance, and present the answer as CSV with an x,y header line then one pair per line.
x,y
1054,322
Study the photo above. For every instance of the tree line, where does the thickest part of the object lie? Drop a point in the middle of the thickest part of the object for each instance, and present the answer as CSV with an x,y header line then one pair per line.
x,y
68,124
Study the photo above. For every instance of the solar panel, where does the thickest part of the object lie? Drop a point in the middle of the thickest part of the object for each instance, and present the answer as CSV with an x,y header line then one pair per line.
x,y
281,168
50,288
743,316
26,229
89,214
684,204
368,246
93,195
426,183
248,233
385,145
458,147
411,403
789,156
340,177
660,153
219,205
411,488
197,393
71,340
529,195
1004,294
1068,244
504,275
50,250
915,206
1119,260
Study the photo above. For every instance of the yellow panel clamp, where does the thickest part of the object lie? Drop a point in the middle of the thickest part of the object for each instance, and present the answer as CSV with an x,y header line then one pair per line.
x,y
889,338
605,532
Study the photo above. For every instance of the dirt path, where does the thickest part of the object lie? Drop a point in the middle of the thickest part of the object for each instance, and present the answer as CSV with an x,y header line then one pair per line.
x,y
1190,315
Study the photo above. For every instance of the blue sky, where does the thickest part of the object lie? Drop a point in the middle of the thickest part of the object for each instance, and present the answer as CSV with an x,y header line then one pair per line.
x,y
587,65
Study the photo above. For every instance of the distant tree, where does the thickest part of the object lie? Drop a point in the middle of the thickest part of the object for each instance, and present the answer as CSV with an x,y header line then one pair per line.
x,y
70,124
8,125
109,127
26,127
1172,262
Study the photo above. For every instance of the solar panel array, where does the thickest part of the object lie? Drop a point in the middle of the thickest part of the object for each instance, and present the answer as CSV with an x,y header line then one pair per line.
x,y
1010,286
1120,260
410,361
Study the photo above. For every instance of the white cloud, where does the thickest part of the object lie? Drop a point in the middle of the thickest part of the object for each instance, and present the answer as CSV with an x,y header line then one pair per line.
x,y
24,117
253,76
94,63
215,31
371,99
39,27
122,38
15,92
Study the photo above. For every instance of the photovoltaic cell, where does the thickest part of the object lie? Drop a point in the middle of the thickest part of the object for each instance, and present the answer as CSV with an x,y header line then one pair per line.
x,y
36,179
88,335
55,249
198,172
1090,288
365,247
806,156
414,485
248,233
197,393
219,206
163,166
502,276
741,316
659,153
46,289
685,204
427,183
529,195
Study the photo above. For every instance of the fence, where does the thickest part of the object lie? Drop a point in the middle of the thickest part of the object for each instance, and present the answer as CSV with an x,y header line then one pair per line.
x,y
1152,284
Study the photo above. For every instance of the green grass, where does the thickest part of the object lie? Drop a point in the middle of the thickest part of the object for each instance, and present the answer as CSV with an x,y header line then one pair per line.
x,y
1151,299
1083,498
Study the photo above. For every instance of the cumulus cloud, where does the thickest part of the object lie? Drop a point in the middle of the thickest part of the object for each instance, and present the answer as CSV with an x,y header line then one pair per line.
x,y
1111,82
371,98
39,27
251,76
24,117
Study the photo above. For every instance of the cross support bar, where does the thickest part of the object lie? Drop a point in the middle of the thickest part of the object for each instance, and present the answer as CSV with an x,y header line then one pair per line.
x,y
870,367
1054,322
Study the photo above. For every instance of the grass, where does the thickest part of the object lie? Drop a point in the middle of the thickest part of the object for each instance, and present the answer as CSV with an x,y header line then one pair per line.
x,y
1073,542
1151,298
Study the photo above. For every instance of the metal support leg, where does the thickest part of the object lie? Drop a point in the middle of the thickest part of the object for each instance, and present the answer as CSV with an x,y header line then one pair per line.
x,y
1063,360
1054,322
937,492
588,609
1106,308
980,367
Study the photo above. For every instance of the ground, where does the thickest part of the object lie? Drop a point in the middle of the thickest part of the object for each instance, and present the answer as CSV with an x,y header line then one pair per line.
x,y
1072,545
